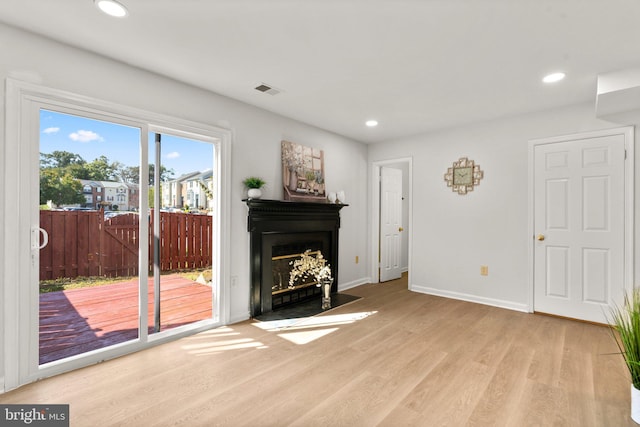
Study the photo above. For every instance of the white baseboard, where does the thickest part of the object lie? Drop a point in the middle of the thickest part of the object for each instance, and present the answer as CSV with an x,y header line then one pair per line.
x,y
353,284
510,305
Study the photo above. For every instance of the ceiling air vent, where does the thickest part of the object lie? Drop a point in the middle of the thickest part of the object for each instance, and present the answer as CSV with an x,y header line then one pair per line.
x,y
267,89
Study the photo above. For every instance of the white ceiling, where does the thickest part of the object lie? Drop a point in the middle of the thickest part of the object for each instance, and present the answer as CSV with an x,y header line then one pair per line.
x,y
414,65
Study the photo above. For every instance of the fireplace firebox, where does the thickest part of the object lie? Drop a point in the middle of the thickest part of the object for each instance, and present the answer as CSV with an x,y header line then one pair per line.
x,y
280,231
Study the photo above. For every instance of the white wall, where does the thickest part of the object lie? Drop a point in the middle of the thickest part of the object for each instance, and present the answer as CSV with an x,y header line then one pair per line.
x,y
453,235
255,147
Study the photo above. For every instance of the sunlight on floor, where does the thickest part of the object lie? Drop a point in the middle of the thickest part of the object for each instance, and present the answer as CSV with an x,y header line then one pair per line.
x,y
306,337
213,348
320,325
223,331
299,331
218,340
312,322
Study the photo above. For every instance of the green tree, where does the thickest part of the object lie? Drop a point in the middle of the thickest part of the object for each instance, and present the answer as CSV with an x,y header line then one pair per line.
x,y
102,170
132,174
60,187
165,174
60,159
59,171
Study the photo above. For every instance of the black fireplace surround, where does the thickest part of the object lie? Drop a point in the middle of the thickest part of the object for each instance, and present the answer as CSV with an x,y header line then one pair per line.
x,y
277,226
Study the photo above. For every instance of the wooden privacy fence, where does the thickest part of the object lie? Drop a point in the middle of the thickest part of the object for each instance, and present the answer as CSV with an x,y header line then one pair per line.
x,y
83,243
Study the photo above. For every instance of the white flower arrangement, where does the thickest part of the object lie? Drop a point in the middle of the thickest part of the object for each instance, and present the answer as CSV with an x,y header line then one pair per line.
x,y
293,156
310,266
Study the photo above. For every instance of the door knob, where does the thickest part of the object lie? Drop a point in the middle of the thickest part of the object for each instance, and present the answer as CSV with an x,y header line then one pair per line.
x,y
400,229
540,237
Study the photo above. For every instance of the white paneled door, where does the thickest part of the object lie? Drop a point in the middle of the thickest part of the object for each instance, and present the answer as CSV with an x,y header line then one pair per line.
x,y
390,223
579,226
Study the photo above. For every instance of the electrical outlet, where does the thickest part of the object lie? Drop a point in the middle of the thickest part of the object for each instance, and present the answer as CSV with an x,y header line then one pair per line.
x,y
484,270
357,259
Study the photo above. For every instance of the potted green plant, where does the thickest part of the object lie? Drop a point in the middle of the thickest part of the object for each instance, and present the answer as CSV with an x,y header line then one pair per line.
x,y
254,186
625,322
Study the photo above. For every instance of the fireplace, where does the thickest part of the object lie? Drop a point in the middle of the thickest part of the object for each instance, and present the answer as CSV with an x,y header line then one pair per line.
x,y
280,231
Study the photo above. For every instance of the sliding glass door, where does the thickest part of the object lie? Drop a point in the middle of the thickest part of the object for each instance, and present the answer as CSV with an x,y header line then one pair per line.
x,y
115,241
101,213
182,209
89,209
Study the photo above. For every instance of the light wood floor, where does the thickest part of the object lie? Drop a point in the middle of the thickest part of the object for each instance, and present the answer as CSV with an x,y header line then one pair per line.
x,y
392,358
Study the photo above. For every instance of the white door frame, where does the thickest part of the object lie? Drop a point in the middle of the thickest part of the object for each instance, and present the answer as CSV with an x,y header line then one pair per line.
x,y
19,314
629,196
375,215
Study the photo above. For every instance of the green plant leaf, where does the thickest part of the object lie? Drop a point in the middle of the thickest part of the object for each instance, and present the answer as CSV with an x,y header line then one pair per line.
x,y
625,326
254,182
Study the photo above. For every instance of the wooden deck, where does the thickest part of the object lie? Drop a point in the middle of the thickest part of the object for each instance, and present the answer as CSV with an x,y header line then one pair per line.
x,y
80,320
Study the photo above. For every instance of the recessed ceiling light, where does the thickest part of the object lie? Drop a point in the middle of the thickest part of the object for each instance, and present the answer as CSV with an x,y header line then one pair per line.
x,y
111,8
371,123
554,77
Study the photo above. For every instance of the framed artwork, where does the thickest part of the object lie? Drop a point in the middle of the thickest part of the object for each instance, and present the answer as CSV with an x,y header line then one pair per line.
x,y
303,173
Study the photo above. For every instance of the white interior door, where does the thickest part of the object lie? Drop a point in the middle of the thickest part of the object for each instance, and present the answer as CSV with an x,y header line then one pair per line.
x,y
390,223
579,226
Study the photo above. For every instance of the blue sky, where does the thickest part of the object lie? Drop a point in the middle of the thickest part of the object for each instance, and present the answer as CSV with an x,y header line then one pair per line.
x,y
93,138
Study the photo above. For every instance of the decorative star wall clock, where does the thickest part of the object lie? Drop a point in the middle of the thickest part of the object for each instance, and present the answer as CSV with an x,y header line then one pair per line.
x,y
463,176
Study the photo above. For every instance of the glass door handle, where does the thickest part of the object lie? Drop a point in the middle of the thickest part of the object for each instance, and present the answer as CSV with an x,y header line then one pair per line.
x,y
45,238
35,238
